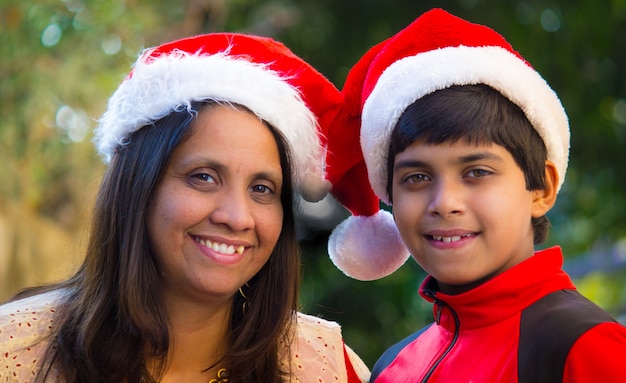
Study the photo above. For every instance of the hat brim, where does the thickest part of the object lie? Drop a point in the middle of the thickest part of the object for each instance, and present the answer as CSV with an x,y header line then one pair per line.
x,y
410,78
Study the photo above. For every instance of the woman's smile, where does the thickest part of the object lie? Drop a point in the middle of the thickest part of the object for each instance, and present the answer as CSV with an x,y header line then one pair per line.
x,y
220,247
217,214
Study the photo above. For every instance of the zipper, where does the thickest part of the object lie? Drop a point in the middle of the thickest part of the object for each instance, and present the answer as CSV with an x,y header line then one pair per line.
x,y
440,306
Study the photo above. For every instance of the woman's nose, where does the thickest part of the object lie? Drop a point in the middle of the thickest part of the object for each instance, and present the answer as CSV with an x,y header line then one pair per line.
x,y
233,209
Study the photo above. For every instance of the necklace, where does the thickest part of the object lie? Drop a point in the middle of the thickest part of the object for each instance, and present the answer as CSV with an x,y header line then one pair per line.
x,y
222,376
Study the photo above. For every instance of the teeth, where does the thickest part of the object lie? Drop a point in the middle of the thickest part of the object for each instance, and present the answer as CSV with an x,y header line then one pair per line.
x,y
225,249
450,239
221,247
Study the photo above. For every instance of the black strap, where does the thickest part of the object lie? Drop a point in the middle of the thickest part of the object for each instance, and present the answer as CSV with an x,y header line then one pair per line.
x,y
549,328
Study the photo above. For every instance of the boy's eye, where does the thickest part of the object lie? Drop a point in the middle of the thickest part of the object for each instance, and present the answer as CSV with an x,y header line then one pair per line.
x,y
477,173
416,178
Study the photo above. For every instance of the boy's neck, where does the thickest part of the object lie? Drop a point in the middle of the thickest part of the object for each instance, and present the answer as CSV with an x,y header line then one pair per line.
x,y
459,289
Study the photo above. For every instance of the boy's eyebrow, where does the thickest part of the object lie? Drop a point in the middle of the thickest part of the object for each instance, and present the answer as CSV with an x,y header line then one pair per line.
x,y
472,157
410,164
479,156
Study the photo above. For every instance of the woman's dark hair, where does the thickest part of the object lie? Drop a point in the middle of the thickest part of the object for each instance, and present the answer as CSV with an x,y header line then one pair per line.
x,y
475,114
113,318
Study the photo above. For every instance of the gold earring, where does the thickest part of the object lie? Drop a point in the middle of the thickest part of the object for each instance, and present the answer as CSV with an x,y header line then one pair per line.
x,y
242,293
246,302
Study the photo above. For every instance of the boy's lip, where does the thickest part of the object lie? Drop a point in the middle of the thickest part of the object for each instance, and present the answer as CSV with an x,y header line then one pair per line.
x,y
446,236
449,233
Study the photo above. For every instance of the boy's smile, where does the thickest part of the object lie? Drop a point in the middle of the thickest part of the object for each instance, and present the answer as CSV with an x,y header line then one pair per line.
x,y
463,211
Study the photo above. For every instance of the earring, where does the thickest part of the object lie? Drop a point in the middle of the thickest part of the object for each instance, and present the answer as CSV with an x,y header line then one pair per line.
x,y
246,302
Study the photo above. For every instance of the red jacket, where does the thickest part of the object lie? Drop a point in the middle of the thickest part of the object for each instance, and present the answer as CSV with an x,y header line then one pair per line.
x,y
528,324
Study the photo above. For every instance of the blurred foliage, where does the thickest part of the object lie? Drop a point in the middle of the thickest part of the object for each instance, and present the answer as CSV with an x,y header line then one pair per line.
x,y
61,60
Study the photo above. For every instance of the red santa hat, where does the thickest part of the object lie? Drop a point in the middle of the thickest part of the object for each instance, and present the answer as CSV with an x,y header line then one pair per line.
x,y
257,72
436,51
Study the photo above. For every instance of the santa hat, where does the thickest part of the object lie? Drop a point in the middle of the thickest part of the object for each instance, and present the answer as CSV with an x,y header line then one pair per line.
x,y
257,72
436,51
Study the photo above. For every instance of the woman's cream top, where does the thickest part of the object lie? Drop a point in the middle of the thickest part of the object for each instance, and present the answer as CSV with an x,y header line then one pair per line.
x,y
317,352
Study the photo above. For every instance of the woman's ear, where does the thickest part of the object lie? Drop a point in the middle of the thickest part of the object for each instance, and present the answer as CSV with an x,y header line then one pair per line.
x,y
544,199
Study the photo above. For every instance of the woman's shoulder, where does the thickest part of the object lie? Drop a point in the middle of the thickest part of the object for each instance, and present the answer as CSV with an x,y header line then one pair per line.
x,y
24,326
318,336
317,350
319,353
308,322
25,322
31,310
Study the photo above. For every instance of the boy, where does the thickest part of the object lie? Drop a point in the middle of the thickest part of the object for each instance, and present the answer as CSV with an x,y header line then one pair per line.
x,y
470,145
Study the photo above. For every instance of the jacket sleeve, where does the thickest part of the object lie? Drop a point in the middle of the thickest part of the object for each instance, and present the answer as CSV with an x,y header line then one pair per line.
x,y
598,355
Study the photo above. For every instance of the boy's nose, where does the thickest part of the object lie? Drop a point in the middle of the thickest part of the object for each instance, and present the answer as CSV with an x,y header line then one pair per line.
x,y
446,199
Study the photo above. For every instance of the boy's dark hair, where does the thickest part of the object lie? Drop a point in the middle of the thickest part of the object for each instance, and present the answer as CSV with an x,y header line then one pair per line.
x,y
476,114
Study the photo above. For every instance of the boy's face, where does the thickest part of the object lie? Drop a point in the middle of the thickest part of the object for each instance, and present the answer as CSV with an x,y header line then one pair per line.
x,y
463,211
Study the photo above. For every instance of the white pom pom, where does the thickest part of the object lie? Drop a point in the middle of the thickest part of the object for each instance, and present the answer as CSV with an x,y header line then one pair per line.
x,y
314,188
367,248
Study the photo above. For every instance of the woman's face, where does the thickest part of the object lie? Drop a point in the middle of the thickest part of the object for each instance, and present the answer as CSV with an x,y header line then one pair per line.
x,y
217,213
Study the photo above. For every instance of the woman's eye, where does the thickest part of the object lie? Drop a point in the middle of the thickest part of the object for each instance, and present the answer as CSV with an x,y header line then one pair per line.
x,y
262,189
204,177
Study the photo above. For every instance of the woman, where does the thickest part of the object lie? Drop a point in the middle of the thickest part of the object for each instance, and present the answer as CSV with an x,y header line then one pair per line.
x,y
192,268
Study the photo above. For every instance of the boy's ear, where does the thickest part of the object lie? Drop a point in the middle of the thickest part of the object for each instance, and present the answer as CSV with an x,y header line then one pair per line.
x,y
544,199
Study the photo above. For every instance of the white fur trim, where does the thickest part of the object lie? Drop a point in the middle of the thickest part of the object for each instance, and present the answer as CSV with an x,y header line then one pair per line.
x,y
367,248
411,78
172,82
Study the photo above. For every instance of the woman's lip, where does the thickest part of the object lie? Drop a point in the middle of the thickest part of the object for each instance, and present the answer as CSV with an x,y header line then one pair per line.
x,y
220,240
221,250
223,258
221,247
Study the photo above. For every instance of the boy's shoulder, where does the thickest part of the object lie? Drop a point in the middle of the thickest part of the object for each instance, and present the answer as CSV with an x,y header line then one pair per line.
x,y
550,327
392,352
552,310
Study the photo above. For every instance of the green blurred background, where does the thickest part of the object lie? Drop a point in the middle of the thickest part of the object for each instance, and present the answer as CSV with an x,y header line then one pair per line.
x,y
61,60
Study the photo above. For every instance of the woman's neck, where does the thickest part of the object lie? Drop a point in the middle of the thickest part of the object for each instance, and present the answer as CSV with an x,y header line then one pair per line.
x,y
199,336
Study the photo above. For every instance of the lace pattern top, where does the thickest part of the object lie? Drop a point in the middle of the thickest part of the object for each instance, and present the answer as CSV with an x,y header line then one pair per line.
x,y
24,325
317,353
